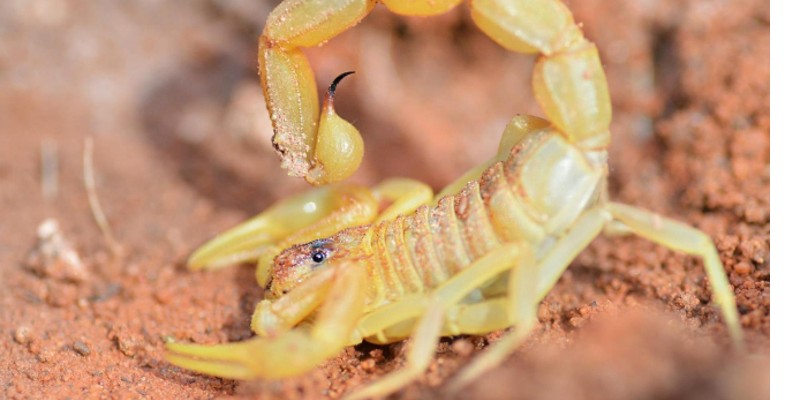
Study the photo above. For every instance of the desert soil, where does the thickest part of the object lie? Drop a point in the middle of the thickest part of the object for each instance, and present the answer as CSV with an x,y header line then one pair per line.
x,y
168,94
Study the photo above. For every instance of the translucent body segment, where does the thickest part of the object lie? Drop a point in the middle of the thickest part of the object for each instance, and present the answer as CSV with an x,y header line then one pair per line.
x,y
553,179
447,239
506,212
420,245
307,23
388,266
420,7
291,95
517,129
476,230
398,251
526,26
376,286
572,90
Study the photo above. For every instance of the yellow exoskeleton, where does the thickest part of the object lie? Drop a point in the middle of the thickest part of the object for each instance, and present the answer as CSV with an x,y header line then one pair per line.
x,y
339,268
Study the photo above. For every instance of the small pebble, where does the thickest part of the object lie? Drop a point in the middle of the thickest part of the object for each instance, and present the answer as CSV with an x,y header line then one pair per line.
x,y
81,348
368,365
463,347
577,322
22,335
743,268
45,355
126,345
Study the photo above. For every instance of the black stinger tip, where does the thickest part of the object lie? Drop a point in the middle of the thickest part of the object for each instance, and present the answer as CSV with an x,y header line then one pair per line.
x,y
336,81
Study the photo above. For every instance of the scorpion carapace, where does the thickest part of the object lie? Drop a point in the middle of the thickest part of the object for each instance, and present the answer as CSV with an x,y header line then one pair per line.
x,y
293,265
339,266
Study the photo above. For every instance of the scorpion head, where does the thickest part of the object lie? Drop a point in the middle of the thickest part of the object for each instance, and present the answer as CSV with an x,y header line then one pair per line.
x,y
297,263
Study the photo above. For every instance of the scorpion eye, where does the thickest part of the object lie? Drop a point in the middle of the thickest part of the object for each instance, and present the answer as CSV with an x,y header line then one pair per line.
x,y
318,256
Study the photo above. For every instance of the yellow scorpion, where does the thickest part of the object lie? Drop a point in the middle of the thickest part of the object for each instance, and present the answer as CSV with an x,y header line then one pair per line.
x,y
340,266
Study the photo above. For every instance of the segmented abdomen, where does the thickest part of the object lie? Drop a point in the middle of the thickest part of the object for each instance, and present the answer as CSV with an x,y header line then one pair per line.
x,y
534,196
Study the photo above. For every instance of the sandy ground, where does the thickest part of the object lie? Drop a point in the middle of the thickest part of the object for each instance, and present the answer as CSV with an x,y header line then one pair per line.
x,y
168,93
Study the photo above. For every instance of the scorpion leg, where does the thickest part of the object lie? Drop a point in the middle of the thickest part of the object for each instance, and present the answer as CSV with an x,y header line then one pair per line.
x,y
421,351
290,353
433,309
463,319
681,237
524,301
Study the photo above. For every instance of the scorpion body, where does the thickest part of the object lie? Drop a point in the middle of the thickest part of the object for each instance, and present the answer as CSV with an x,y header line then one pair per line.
x,y
339,266
512,201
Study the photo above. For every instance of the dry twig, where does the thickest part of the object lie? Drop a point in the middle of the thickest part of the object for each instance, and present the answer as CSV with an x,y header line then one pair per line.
x,y
94,201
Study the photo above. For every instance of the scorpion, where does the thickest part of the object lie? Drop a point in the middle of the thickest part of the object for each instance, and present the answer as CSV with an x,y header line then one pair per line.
x,y
344,263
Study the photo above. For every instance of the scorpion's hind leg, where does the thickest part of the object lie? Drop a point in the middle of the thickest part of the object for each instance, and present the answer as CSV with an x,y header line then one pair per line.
x,y
293,352
528,285
304,217
681,237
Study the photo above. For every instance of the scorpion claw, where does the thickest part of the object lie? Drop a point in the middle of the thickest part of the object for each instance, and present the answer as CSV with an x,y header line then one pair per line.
x,y
230,370
232,360
310,215
243,243
290,354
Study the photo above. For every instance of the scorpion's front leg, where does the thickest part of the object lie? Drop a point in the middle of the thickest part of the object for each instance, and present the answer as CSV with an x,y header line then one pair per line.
x,y
338,294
